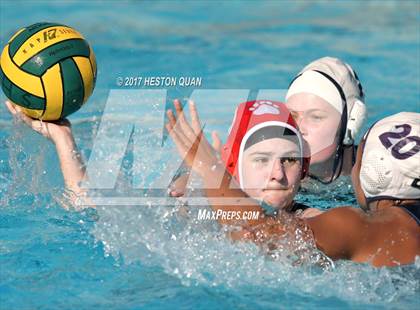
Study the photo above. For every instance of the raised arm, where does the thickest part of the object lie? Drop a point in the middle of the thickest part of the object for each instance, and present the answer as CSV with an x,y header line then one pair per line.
x,y
197,153
60,134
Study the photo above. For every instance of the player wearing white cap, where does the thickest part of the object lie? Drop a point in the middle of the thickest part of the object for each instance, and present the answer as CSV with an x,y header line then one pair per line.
x,y
390,169
386,179
327,101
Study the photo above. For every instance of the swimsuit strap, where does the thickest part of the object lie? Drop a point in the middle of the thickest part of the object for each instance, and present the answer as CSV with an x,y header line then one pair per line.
x,y
413,210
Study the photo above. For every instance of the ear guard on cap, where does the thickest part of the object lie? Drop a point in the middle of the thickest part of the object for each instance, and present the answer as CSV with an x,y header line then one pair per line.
x,y
357,115
355,121
376,172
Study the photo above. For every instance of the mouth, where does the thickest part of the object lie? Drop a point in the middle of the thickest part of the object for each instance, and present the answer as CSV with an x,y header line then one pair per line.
x,y
275,189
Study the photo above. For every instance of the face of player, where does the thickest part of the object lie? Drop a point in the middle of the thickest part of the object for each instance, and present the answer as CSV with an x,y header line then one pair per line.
x,y
318,122
271,171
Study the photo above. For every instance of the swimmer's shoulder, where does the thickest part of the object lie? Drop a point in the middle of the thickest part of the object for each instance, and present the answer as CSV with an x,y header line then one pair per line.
x,y
396,236
338,231
348,232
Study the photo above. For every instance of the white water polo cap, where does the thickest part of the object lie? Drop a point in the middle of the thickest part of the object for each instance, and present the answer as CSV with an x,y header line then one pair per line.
x,y
337,83
390,167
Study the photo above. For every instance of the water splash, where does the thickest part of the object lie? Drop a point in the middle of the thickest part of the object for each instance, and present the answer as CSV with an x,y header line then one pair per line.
x,y
198,252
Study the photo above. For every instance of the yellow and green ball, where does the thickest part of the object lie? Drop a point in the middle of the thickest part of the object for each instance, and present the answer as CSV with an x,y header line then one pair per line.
x,y
48,69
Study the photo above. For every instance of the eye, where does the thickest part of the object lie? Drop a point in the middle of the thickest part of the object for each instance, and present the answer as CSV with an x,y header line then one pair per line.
x,y
261,160
317,117
289,160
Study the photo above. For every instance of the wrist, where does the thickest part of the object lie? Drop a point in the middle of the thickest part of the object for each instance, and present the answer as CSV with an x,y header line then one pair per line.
x,y
213,171
60,135
217,178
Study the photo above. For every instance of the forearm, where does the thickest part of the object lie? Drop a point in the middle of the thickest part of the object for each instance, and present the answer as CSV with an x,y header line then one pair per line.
x,y
59,132
71,162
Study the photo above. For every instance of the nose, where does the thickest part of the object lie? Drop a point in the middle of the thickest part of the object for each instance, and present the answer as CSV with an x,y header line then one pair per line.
x,y
302,125
277,172
300,121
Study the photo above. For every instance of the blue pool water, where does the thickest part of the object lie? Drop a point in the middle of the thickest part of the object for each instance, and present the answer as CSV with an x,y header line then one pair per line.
x,y
149,257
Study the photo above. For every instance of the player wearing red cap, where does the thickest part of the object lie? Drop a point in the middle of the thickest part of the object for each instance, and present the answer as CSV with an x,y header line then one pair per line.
x,y
265,153
386,178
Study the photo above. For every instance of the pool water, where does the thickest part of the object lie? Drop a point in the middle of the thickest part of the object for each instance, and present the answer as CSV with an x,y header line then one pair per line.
x,y
150,257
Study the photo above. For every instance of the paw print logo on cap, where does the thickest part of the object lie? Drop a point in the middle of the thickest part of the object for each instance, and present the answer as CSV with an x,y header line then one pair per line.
x,y
264,107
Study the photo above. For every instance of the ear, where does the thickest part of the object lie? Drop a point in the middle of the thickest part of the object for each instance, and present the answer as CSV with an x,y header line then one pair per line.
x,y
356,119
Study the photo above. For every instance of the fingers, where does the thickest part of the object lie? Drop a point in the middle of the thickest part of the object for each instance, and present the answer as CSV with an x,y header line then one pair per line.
x,y
17,111
182,126
183,143
179,111
195,121
177,187
10,107
180,144
36,125
199,130
176,194
175,127
183,122
192,145
217,143
200,146
186,148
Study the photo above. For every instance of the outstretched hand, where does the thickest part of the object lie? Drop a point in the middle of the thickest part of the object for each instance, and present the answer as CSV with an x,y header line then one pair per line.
x,y
60,133
50,130
192,145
